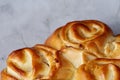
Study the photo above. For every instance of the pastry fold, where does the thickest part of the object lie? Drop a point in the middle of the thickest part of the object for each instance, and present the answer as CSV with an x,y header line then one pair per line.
x,y
38,62
99,69
79,50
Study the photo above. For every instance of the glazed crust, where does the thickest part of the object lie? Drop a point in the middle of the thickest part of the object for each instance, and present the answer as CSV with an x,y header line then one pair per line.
x,y
91,35
99,69
78,33
38,62
80,50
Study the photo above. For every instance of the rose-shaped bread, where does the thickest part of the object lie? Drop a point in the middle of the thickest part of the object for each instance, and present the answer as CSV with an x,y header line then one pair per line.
x,y
80,34
38,62
91,35
99,69
80,50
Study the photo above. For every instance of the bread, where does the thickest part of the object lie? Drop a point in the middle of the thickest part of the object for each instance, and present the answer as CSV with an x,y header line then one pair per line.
x,y
99,69
80,50
76,56
70,59
112,48
79,34
91,35
38,62
66,70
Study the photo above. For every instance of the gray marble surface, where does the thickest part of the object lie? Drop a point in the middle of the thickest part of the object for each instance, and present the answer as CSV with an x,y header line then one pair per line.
x,y
24,23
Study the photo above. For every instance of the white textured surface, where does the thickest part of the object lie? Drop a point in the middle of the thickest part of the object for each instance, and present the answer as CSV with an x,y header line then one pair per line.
x,y
28,22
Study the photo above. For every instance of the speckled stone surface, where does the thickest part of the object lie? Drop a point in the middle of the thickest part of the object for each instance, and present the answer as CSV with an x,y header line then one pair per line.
x,y
24,23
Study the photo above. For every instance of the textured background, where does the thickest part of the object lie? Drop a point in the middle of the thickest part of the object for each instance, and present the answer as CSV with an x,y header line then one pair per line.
x,y
24,23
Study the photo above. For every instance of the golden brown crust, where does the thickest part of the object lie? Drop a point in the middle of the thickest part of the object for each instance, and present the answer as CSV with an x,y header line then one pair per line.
x,y
38,62
54,40
91,35
84,50
79,32
5,76
88,34
112,48
66,70
99,69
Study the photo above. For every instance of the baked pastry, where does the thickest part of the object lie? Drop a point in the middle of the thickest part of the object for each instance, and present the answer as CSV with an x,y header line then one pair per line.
x,y
99,69
80,50
112,48
66,70
78,34
77,56
38,62
91,35
25,64
70,59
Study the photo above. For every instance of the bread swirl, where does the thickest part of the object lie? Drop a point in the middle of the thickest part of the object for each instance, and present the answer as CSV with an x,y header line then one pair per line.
x,y
99,69
79,33
38,62
93,36
80,50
